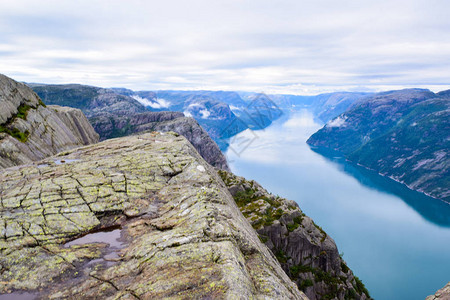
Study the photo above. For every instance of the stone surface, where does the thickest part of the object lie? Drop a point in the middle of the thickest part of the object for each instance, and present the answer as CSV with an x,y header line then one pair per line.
x,y
109,126
30,131
307,254
181,234
12,95
442,294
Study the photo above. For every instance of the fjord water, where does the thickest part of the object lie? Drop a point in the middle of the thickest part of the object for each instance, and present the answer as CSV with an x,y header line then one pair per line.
x,y
395,240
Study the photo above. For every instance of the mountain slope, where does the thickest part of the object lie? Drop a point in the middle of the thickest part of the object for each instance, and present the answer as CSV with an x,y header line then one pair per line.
x,y
401,134
91,100
116,115
324,106
306,253
140,217
111,126
30,130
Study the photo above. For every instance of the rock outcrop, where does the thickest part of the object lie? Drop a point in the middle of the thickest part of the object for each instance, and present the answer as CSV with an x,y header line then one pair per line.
x,y
442,294
403,135
110,126
307,254
138,217
30,131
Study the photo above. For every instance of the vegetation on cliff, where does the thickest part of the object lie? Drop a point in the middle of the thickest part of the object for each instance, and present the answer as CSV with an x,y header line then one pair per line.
x,y
400,134
305,251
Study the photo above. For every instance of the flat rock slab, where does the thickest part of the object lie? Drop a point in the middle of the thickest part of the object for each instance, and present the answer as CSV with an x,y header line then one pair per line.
x,y
180,233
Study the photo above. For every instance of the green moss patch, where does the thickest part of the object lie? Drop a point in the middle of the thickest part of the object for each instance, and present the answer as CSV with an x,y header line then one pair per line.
x,y
22,113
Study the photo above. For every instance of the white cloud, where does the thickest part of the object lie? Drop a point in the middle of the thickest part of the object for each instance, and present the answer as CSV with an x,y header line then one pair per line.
x,y
156,104
205,113
338,122
300,47
143,101
161,103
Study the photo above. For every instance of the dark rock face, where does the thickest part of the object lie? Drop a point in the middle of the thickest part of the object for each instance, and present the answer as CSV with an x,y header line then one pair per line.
x,y
404,135
141,217
30,131
114,113
307,254
110,126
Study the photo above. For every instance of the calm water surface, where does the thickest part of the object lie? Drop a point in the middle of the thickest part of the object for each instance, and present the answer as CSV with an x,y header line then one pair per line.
x,y
395,240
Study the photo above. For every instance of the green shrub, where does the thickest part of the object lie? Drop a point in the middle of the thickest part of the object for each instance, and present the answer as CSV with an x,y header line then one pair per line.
x,y
281,256
344,267
22,111
360,288
305,283
292,227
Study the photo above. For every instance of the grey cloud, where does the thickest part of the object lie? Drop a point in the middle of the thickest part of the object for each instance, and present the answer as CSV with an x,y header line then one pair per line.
x,y
292,46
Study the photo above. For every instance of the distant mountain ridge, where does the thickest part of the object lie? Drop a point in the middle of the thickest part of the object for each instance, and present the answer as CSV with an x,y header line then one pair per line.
x,y
222,114
117,115
403,134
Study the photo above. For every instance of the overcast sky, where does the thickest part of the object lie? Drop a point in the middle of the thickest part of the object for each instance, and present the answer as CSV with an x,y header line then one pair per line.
x,y
298,46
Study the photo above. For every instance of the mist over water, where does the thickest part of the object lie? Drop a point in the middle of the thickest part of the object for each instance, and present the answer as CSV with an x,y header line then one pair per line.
x,y
395,240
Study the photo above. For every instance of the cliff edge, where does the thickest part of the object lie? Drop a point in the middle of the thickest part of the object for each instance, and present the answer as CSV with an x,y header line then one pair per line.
x,y
305,251
29,130
138,217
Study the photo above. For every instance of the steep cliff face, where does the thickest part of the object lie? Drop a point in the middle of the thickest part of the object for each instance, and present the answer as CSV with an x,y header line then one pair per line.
x,y
110,126
138,217
400,134
30,131
307,254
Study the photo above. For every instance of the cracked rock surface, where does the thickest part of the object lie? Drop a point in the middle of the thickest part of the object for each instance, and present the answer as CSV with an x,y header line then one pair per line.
x,y
181,234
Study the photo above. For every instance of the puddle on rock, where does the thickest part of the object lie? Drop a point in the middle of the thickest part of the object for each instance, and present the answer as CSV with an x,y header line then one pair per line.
x,y
111,236
18,296
64,161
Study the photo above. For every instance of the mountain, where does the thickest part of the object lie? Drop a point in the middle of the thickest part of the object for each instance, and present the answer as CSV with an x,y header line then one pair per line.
x,y
136,217
116,115
91,100
328,106
30,130
214,115
259,112
145,216
400,134
324,106
223,114
318,269
111,126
